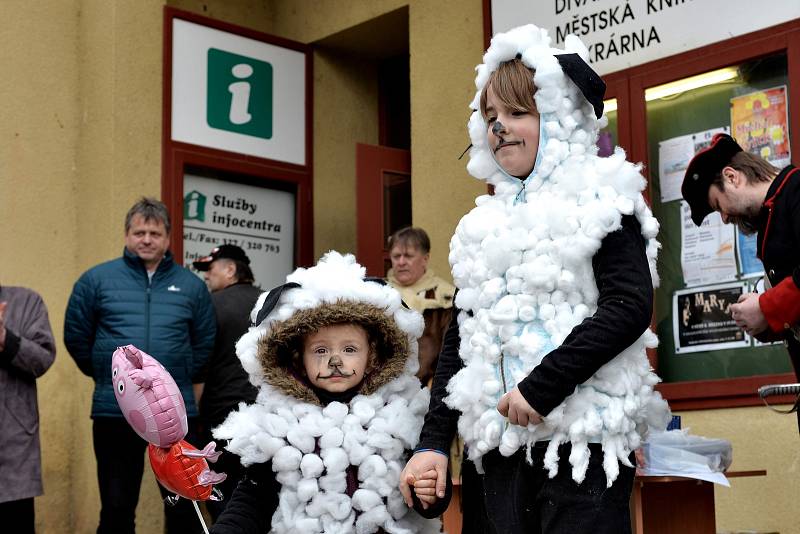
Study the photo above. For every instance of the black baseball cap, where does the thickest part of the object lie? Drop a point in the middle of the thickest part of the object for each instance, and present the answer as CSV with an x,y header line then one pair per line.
x,y
229,252
704,168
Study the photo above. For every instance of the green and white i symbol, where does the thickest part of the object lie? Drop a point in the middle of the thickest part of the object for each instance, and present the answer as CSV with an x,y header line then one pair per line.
x,y
239,94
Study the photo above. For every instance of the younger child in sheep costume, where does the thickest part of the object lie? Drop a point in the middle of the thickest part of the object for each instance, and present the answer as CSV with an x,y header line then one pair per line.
x,y
327,436
545,370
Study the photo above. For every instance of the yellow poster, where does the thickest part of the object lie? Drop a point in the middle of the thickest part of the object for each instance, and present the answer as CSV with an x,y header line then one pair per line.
x,y
759,123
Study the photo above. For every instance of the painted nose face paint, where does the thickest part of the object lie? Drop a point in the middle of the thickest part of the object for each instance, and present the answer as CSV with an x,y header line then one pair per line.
x,y
335,361
497,127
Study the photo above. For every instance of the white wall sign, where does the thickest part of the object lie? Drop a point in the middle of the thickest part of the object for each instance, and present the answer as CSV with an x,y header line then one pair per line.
x,y
624,33
259,220
238,94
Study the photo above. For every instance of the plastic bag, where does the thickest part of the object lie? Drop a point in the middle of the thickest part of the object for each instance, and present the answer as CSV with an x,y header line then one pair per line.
x,y
678,452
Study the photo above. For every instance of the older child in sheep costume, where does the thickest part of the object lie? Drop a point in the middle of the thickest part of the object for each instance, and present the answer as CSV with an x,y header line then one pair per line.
x,y
545,372
334,356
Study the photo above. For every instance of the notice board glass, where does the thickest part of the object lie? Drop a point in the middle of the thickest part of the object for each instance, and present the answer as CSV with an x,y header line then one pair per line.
x,y
670,117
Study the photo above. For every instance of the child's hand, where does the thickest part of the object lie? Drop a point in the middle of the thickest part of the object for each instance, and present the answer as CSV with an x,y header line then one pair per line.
x,y
514,406
425,488
416,470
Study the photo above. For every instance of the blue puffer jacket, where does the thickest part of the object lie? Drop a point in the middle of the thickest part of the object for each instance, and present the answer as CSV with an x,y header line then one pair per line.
x,y
170,317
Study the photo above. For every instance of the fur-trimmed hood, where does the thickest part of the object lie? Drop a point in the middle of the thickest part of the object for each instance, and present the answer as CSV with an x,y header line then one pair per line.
x,y
280,352
334,291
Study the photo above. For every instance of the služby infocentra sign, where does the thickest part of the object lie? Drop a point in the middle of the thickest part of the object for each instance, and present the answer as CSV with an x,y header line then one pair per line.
x,y
259,220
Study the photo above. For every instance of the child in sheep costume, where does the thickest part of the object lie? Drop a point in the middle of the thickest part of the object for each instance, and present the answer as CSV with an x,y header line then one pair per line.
x,y
555,276
323,454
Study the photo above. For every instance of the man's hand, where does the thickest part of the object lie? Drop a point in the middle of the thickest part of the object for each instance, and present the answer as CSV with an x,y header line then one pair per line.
x,y
514,406
3,325
747,314
417,470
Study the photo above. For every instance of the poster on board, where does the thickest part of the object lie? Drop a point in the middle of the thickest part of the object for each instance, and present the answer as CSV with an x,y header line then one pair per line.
x,y
260,220
674,156
746,253
702,319
759,122
707,251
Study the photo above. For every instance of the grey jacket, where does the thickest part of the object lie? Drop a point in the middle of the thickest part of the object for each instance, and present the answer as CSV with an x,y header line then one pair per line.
x,y
29,351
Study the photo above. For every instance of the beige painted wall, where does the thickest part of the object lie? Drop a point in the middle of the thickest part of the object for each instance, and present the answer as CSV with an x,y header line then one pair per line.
x,y
38,139
761,439
81,132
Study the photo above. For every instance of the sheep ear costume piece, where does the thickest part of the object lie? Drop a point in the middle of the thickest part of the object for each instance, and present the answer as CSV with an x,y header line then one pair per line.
x,y
313,445
591,85
522,263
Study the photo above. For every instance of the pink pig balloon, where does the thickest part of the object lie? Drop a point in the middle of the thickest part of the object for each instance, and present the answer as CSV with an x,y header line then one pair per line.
x,y
148,397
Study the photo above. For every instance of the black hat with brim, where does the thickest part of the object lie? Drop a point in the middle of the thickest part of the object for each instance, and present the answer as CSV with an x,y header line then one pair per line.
x,y
230,252
704,168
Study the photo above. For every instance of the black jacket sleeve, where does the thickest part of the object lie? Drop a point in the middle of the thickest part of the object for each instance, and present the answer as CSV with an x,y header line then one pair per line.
x,y
252,504
440,421
624,309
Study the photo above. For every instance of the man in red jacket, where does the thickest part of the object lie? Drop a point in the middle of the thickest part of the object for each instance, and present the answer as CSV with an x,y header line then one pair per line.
x,y
748,191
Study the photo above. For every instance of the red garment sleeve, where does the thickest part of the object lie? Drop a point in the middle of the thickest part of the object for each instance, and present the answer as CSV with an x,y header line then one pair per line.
x,y
781,305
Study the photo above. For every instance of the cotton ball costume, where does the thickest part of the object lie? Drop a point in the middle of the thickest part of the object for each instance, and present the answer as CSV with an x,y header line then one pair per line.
x,y
315,449
522,260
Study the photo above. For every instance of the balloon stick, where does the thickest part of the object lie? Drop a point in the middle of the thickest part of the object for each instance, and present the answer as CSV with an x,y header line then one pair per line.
x,y
200,516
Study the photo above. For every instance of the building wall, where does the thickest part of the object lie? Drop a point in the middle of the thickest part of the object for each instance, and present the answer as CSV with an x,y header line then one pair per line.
x,y
81,131
38,141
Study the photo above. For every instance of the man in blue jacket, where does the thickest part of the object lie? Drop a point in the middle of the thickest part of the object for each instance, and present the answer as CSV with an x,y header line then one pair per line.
x,y
145,299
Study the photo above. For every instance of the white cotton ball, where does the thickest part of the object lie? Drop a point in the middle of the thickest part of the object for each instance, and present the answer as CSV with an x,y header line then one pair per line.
x,y
364,499
372,520
510,443
372,466
338,506
333,482
335,459
579,459
557,297
335,411
289,479
547,311
527,313
310,525
300,438
311,466
490,387
275,425
306,489
505,311
286,459
268,444
333,437
396,505
363,411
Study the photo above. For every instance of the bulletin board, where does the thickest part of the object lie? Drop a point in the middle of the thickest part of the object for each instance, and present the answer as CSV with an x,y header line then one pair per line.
x,y
696,111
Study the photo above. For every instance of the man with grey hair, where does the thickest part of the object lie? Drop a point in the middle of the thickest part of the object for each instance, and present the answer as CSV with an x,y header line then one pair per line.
x,y
145,299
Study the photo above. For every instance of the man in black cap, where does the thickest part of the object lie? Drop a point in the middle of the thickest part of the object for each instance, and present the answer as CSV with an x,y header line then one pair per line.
x,y
748,191
229,278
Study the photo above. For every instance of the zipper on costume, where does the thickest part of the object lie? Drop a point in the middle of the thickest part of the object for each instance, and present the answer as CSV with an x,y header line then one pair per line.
x,y
503,373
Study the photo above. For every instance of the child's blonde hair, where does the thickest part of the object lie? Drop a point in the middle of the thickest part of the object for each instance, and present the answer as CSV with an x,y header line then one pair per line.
x,y
512,84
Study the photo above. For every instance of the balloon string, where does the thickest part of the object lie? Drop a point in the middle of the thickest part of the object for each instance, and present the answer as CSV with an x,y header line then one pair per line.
x,y
200,516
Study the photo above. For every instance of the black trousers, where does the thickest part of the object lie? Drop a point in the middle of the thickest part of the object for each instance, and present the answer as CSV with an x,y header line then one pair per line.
x,y
17,516
120,454
521,499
